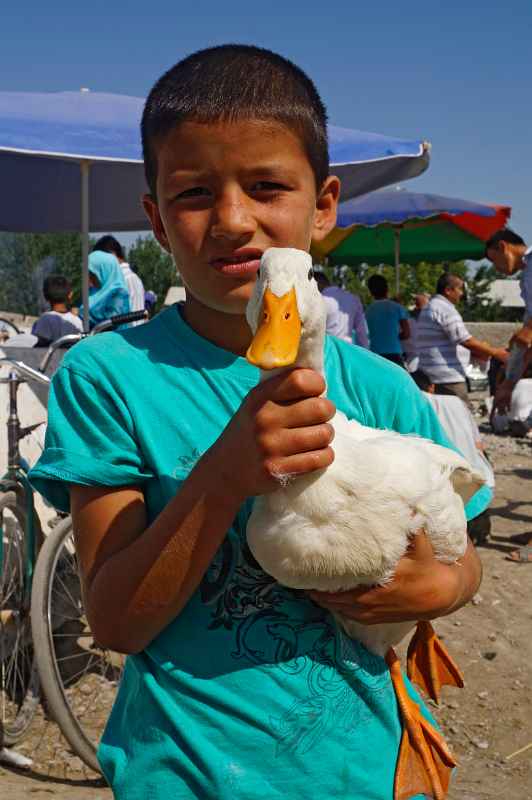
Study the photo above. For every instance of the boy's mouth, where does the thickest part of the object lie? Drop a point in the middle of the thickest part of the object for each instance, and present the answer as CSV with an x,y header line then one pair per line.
x,y
239,264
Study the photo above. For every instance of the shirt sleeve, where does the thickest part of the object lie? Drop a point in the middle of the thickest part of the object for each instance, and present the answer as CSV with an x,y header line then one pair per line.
x,y
360,325
90,440
43,328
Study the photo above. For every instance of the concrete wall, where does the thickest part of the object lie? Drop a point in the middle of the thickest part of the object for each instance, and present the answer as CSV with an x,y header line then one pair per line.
x,y
498,334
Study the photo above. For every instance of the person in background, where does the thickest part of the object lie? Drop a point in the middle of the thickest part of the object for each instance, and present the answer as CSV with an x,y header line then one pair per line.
x,y
439,330
461,429
135,287
108,294
60,320
345,312
421,300
387,322
509,255
150,299
411,357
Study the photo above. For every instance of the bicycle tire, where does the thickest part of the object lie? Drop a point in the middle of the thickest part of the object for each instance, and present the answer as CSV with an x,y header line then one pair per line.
x,y
59,626
19,680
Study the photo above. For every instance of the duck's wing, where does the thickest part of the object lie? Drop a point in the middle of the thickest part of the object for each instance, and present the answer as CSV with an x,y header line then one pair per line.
x,y
465,480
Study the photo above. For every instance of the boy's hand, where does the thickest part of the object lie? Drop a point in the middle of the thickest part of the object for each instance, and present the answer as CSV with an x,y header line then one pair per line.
x,y
422,588
281,429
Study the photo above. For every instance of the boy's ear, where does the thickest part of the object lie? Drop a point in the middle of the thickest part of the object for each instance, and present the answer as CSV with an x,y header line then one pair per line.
x,y
152,212
326,208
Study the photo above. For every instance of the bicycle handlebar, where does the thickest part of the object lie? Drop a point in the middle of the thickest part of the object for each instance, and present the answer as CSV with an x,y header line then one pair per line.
x,y
119,319
108,324
25,369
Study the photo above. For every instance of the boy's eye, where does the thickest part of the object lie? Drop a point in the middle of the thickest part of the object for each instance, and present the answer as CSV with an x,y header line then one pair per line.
x,y
195,191
267,186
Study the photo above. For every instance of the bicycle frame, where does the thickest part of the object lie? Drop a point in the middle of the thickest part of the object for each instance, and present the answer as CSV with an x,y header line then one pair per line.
x,y
16,479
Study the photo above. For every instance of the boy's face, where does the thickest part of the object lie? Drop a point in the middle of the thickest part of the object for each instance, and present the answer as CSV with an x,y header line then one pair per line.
x,y
506,257
225,193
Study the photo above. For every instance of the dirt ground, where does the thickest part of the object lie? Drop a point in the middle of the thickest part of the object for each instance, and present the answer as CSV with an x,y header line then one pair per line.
x,y
486,723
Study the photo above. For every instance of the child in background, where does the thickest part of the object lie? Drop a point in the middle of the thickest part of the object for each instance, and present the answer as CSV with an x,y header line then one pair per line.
x,y
60,320
387,322
159,437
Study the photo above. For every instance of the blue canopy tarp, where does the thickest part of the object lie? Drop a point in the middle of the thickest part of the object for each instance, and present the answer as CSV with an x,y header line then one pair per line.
x,y
72,161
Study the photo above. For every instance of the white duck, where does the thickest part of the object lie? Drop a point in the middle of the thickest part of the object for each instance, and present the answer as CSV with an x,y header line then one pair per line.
x,y
349,525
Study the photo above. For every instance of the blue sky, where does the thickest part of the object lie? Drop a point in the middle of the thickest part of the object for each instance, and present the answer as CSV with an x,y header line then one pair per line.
x,y
457,74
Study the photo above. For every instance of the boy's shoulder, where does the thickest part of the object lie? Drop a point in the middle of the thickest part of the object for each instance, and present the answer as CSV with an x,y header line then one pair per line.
x,y
117,351
369,370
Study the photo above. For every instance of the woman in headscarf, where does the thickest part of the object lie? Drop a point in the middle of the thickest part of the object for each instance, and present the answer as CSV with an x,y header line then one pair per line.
x,y
108,295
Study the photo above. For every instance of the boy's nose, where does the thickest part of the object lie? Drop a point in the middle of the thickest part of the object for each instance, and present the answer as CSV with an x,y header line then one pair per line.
x,y
232,219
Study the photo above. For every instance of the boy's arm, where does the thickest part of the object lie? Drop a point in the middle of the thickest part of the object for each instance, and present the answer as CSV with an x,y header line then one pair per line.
x,y
422,588
137,578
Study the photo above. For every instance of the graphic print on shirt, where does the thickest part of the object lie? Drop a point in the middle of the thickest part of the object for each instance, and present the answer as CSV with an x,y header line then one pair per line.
x,y
281,628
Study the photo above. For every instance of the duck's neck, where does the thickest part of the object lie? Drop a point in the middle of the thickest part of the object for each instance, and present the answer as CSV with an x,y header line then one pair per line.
x,y
309,356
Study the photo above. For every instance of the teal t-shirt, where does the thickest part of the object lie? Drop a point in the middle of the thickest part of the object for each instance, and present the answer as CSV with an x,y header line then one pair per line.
x,y
383,317
252,692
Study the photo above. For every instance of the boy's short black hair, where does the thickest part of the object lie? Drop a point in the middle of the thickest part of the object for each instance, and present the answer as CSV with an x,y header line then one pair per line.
x,y
504,235
108,244
56,289
378,286
236,82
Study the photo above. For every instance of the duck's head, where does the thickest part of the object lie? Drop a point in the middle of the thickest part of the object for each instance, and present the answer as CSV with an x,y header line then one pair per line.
x,y
286,312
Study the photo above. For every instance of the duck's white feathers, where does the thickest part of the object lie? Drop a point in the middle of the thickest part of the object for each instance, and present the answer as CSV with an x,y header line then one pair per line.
x,y
350,524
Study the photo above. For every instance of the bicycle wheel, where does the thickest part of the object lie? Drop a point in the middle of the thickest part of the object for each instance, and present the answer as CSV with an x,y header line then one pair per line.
x,y
79,678
19,683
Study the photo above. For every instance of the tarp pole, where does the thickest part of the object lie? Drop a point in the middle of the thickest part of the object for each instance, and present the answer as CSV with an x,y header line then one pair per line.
x,y
397,251
85,170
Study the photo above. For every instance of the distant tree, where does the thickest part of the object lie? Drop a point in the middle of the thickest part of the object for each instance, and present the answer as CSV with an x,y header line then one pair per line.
x,y
423,277
154,266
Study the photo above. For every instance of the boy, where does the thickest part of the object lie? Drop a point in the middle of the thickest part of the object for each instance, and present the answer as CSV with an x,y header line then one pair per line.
x,y
387,322
236,687
59,321
509,254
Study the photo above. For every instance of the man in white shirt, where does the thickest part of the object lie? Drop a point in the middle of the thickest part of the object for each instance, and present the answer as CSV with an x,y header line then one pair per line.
x,y
439,330
509,254
345,312
135,287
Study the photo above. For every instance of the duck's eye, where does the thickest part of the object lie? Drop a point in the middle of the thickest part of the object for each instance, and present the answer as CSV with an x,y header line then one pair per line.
x,y
287,315
310,274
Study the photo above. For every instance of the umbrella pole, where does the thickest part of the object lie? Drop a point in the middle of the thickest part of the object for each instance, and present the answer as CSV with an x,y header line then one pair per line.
x,y
397,251
85,169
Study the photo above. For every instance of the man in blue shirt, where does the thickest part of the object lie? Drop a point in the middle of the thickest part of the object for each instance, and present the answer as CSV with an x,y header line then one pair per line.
x,y
387,322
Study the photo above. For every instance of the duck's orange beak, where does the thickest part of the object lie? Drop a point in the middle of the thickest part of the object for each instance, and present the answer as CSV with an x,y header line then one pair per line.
x,y
276,342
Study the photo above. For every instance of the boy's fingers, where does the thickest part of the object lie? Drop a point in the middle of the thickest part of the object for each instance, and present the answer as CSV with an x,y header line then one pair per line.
x,y
279,443
420,546
310,411
300,464
293,385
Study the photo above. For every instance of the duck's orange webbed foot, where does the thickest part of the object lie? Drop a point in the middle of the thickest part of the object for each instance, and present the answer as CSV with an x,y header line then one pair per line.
x,y
425,763
429,665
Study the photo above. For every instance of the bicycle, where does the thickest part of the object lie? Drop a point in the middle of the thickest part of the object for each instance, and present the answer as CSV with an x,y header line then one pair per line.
x,y
20,538
65,659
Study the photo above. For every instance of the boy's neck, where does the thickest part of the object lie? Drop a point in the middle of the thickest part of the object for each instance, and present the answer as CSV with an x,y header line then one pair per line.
x,y
61,308
229,331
